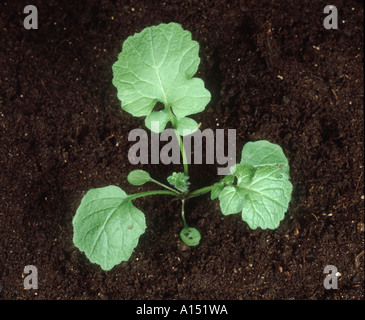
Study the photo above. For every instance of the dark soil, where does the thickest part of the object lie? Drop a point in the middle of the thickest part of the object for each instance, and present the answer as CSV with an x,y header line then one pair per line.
x,y
274,72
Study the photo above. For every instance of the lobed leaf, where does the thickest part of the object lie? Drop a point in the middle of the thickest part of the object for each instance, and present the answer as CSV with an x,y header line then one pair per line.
x,y
158,65
263,190
266,197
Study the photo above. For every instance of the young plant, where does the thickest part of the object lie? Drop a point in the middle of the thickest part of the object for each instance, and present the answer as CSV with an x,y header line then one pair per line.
x,y
158,65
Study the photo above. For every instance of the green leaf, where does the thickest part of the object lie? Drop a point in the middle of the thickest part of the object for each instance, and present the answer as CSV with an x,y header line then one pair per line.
x,y
158,65
228,179
219,186
244,173
138,177
264,153
156,121
266,194
216,190
190,236
231,200
107,226
186,126
263,190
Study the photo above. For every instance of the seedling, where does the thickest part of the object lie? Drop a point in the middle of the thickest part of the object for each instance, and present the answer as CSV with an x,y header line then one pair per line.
x,y
158,65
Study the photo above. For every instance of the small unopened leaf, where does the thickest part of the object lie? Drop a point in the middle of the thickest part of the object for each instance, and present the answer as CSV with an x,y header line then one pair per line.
x,y
107,226
180,181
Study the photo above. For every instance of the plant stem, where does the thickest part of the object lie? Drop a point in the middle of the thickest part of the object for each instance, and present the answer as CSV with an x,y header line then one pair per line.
x,y
183,154
150,193
182,149
198,192
165,186
172,117
183,213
